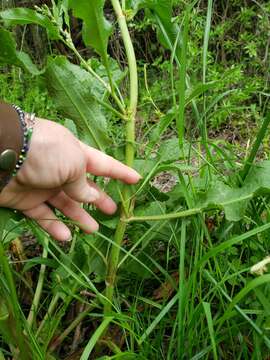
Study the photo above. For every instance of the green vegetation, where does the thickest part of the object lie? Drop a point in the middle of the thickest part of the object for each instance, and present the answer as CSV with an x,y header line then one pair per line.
x,y
180,91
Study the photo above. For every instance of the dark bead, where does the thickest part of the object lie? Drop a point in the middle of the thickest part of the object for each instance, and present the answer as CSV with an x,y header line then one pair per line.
x,y
8,160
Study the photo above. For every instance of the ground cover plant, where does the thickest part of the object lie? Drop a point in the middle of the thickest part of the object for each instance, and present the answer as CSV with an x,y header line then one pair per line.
x,y
180,272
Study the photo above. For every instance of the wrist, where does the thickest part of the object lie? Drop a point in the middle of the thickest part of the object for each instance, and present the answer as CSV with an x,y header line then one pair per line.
x,y
15,133
11,141
30,119
27,123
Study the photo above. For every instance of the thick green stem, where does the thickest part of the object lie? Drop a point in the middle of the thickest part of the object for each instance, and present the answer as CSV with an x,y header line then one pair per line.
x,y
170,216
132,64
112,266
186,213
130,141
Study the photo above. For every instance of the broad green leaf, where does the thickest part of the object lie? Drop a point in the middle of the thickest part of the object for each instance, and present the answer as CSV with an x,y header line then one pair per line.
x,y
96,29
234,201
156,207
163,8
5,216
27,63
133,6
22,16
87,256
72,89
14,227
169,151
144,167
162,11
10,56
108,221
258,177
116,73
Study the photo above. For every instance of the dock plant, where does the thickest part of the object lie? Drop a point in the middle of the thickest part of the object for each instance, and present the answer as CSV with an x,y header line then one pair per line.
x,y
167,277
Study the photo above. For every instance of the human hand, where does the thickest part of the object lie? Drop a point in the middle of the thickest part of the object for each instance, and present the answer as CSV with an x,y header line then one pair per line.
x,y
54,174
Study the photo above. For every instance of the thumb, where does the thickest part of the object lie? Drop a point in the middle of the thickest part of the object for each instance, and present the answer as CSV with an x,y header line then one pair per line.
x,y
80,190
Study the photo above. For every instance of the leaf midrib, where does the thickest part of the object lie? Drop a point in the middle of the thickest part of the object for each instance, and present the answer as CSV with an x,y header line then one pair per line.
x,y
79,111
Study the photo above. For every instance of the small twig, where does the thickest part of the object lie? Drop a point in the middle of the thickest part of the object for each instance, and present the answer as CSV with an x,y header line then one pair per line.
x,y
78,332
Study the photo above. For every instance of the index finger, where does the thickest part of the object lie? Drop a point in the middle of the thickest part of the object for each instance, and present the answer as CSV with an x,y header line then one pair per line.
x,y
101,164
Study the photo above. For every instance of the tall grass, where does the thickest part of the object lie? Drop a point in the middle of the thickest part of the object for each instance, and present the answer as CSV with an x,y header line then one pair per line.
x,y
173,281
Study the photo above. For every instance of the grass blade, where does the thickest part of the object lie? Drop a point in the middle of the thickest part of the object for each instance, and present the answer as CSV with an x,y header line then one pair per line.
x,y
256,146
182,292
180,122
94,339
207,310
157,320
206,37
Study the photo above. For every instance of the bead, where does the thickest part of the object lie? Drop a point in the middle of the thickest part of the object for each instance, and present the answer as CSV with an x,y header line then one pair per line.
x,y
27,133
8,160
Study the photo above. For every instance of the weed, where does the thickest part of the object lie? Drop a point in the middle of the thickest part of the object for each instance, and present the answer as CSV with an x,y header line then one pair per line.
x,y
169,276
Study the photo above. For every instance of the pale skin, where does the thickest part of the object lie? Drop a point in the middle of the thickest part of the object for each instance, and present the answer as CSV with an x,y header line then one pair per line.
x,y
54,175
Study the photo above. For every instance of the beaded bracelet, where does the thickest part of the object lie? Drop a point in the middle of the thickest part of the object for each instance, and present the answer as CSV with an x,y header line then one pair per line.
x,y
27,122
